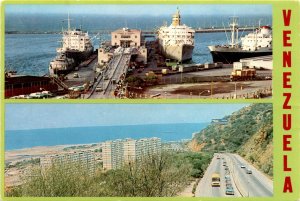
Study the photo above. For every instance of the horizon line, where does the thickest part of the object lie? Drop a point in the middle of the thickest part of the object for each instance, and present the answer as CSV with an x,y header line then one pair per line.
x,y
86,126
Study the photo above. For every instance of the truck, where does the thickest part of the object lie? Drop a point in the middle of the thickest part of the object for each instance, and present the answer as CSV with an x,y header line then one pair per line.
x,y
242,74
215,180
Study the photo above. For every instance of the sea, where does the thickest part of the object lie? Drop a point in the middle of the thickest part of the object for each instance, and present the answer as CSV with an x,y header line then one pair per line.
x,y
31,40
20,139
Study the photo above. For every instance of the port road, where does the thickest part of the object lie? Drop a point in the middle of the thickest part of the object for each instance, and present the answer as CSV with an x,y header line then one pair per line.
x,y
244,185
109,78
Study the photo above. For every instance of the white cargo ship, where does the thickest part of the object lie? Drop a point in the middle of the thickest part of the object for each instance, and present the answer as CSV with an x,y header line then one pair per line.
x,y
176,41
76,47
258,43
76,44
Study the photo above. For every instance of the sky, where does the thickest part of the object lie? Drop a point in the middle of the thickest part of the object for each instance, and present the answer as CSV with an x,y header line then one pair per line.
x,y
38,116
152,10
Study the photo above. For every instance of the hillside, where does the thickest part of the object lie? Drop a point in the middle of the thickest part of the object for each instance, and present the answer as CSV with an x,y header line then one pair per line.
x,y
248,132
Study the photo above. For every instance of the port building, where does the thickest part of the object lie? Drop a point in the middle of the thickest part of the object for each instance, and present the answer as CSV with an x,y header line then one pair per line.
x,y
126,37
74,160
119,152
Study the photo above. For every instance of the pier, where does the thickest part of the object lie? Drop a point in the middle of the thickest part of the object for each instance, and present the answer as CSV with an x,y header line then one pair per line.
x,y
205,30
145,32
111,77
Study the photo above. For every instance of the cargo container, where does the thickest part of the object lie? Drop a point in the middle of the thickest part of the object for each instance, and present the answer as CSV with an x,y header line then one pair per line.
x,y
244,74
165,71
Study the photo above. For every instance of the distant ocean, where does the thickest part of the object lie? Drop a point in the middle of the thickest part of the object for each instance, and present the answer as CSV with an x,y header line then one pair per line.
x,y
19,139
31,53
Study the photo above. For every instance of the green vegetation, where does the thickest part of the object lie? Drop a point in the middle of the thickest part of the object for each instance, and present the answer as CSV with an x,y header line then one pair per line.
x,y
166,174
98,150
55,181
199,162
74,147
151,80
135,81
20,164
248,132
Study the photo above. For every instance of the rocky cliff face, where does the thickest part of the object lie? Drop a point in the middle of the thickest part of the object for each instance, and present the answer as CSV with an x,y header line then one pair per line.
x,y
248,132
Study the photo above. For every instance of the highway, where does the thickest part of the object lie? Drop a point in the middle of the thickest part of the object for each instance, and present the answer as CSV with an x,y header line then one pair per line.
x,y
109,78
243,184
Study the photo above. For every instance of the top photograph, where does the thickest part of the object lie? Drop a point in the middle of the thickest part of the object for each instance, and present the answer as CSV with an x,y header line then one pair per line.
x,y
138,52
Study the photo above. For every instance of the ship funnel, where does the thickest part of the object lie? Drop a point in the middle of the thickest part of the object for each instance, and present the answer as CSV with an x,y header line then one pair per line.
x,y
265,30
176,21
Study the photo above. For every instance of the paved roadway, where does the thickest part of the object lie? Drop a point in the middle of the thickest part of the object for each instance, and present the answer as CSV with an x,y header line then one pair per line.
x,y
117,66
244,185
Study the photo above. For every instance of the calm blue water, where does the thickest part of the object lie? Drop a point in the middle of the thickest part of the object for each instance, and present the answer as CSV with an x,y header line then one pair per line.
x,y
31,53
19,139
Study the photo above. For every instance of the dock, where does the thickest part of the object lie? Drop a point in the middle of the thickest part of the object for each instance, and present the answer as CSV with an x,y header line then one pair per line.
x,y
204,30
111,77
145,32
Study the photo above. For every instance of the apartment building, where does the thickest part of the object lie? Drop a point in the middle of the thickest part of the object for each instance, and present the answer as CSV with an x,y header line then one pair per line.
x,y
112,154
72,160
119,152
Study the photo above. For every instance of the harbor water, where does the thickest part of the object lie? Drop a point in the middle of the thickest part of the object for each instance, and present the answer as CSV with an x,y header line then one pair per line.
x,y
19,139
31,53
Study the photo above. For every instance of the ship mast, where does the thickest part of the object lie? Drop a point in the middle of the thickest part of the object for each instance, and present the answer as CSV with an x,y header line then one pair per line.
x,y
69,26
234,28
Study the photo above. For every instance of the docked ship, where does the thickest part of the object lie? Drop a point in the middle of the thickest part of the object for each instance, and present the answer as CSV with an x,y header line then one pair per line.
x,y
76,44
176,41
61,64
257,43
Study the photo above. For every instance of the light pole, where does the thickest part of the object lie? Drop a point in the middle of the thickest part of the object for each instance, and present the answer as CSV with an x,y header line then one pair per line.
x,y
211,89
234,90
181,77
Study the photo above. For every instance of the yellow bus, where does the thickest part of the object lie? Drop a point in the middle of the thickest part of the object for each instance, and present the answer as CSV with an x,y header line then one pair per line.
x,y
215,180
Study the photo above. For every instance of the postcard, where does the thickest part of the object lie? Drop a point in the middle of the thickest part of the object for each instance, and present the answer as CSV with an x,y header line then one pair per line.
x,y
138,100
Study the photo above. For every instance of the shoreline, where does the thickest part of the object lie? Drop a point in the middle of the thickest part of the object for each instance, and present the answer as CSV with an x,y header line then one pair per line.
x,y
17,155
13,156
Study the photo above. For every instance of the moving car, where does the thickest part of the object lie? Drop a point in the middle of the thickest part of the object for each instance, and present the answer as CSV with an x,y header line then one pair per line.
x,y
243,166
249,171
229,190
99,89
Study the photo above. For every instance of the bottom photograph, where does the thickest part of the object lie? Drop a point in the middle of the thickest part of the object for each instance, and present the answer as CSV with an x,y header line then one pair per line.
x,y
138,150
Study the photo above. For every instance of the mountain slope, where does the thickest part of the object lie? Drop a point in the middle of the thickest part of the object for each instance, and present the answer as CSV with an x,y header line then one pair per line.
x,y
248,132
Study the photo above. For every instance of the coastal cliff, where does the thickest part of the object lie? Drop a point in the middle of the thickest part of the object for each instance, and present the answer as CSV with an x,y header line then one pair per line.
x,y
248,132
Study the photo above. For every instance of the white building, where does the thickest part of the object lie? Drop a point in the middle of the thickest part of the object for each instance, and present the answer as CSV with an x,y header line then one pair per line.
x,y
119,152
126,37
83,159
